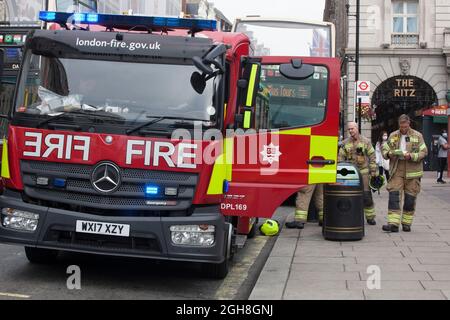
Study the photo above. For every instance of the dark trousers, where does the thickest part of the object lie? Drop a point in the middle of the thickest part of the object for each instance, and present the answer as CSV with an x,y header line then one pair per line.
x,y
442,163
386,172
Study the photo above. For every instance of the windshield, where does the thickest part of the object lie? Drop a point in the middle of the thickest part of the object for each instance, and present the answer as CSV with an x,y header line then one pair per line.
x,y
133,91
273,38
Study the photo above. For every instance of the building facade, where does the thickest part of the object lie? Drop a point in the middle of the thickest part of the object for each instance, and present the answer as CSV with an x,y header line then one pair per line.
x,y
206,10
405,55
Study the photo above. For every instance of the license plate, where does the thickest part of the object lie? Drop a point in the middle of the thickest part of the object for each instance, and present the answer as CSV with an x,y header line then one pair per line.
x,y
105,228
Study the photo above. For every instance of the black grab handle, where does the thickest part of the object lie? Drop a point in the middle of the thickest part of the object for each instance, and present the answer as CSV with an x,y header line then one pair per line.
x,y
323,162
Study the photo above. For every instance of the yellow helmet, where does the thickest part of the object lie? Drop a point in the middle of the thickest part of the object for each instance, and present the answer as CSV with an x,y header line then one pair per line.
x,y
270,228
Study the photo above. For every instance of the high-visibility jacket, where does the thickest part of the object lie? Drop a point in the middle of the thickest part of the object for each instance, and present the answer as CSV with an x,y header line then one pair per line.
x,y
415,145
359,152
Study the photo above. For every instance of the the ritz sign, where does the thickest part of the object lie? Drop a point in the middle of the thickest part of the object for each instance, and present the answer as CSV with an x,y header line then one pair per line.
x,y
405,88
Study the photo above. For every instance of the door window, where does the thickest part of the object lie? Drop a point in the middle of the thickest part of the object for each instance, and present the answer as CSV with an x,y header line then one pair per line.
x,y
285,103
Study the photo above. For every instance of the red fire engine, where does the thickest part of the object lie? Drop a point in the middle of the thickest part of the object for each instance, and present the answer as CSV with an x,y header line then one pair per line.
x,y
158,138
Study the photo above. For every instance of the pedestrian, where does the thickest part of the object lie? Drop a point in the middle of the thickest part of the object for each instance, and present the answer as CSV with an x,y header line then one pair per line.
x,y
358,150
442,155
304,196
406,150
383,164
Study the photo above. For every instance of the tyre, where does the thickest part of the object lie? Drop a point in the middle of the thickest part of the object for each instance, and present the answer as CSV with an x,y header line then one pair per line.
x,y
41,256
220,270
216,270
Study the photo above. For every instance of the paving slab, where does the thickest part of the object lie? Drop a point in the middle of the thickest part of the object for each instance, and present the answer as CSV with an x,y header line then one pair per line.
x,y
386,285
322,267
436,285
404,295
324,295
431,267
399,275
321,276
383,267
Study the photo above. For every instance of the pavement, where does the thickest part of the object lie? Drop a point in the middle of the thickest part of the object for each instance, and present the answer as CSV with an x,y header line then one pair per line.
x,y
381,266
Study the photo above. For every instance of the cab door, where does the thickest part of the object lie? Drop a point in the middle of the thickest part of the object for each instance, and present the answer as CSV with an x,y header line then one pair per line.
x,y
289,115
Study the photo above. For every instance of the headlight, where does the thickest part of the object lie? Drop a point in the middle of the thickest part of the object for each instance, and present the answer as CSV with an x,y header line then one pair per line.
x,y
193,235
19,220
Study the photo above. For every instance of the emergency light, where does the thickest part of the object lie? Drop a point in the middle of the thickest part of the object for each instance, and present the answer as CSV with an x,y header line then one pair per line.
x,y
126,21
151,190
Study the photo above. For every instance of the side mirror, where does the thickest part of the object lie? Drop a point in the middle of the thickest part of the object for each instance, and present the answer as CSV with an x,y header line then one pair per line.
x,y
204,64
201,65
198,82
214,53
296,70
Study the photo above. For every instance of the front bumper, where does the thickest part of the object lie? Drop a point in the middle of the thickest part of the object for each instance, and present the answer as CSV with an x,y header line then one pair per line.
x,y
149,236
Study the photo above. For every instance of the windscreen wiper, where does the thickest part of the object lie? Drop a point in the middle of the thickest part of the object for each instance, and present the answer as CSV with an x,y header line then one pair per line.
x,y
80,112
158,119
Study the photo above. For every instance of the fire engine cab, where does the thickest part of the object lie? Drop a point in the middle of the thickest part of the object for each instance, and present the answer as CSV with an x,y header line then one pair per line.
x,y
158,138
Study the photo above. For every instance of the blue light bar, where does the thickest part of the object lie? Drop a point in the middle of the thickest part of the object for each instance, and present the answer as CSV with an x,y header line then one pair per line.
x,y
92,18
151,190
60,183
47,16
128,22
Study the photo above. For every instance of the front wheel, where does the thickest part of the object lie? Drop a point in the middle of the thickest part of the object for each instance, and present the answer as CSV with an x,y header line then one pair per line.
x,y
216,270
41,256
220,270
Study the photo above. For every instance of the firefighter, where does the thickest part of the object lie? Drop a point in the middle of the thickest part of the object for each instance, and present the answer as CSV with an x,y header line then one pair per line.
x,y
358,150
406,150
304,196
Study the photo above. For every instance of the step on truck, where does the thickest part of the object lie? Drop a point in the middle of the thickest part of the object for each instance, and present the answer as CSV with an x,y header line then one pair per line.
x,y
158,138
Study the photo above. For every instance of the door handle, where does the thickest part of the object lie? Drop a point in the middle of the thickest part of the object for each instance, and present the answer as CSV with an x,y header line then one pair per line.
x,y
320,162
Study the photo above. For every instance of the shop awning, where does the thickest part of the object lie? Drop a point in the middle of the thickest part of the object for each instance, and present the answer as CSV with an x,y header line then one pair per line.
x,y
439,111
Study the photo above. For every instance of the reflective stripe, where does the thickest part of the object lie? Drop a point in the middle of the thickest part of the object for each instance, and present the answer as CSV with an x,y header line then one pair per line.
x,y
369,213
251,86
422,147
414,174
222,169
247,119
301,215
326,147
320,215
5,163
394,218
364,171
297,132
408,218
415,157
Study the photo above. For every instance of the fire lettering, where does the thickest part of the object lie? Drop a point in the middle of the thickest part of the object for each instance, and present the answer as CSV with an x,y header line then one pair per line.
x,y
154,152
63,146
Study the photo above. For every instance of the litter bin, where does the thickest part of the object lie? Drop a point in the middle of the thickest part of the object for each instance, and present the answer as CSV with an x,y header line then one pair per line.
x,y
344,205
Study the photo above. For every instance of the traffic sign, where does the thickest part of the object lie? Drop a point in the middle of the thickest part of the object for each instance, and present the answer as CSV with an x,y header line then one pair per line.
x,y
363,86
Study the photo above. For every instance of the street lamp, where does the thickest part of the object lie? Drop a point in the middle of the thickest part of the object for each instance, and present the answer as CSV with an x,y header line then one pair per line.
x,y
357,15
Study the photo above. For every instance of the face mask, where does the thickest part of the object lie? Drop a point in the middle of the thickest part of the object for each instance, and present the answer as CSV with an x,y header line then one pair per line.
x,y
444,135
385,138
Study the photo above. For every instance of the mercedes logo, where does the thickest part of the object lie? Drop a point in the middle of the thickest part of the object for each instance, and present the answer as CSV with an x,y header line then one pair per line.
x,y
105,177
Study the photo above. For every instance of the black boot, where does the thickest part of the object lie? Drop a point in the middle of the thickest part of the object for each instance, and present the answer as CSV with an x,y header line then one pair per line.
x,y
406,228
390,228
371,221
295,225
320,223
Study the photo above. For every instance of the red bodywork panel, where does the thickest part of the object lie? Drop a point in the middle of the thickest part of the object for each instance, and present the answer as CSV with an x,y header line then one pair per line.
x,y
21,147
253,194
